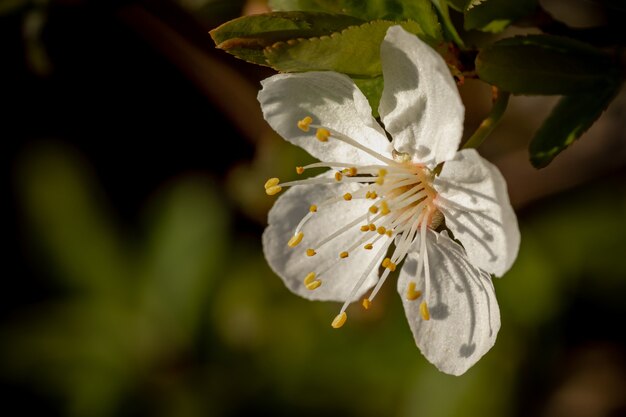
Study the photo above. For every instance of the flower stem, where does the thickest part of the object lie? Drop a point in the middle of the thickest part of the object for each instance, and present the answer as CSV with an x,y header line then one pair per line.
x,y
501,99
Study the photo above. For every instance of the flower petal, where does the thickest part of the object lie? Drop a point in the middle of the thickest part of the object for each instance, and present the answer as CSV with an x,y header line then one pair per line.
x,y
464,314
331,100
293,265
420,105
474,200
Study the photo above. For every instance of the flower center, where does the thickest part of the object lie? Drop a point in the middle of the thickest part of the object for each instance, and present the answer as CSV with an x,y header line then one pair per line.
x,y
403,206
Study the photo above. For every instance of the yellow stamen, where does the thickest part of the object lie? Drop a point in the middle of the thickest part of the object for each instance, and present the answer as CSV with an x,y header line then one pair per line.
x,y
309,278
381,230
389,233
304,123
310,252
347,196
343,255
299,170
351,172
322,134
373,195
365,228
372,227
273,190
412,293
381,176
368,194
271,182
384,208
313,285
373,209
313,208
338,176
424,311
388,264
366,303
339,320
368,246
295,240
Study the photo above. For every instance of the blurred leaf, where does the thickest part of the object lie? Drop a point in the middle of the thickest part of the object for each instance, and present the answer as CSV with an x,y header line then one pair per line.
x,y
247,36
93,347
336,52
569,119
9,6
420,11
62,207
542,64
444,15
496,15
185,247
458,5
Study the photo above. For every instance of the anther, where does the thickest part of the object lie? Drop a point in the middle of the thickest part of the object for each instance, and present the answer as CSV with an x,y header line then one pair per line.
x,y
273,190
350,172
368,246
313,285
381,176
412,293
322,134
372,227
295,240
310,252
424,311
271,182
309,278
339,320
384,208
388,264
368,194
343,255
366,303
299,170
373,196
338,176
373,209
304,123
313,208
365,228
381,230
389,233
347,196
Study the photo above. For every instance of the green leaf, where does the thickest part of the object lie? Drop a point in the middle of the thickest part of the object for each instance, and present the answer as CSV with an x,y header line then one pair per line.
x,y
569,119
373,90
496,15
545,65
458,5
72,225
444,15
247,36
336,52
420,11
185,250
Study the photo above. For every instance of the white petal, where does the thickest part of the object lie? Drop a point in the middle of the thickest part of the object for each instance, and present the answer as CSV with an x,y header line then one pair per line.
x,y
420,105
464,314
474,200
292,264
331,100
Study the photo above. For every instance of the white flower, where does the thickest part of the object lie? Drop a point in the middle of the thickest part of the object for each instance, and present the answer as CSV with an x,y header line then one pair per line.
x,y
382,202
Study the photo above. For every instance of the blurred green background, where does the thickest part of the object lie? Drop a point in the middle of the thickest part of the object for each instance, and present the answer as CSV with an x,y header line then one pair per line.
x,y
133,157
